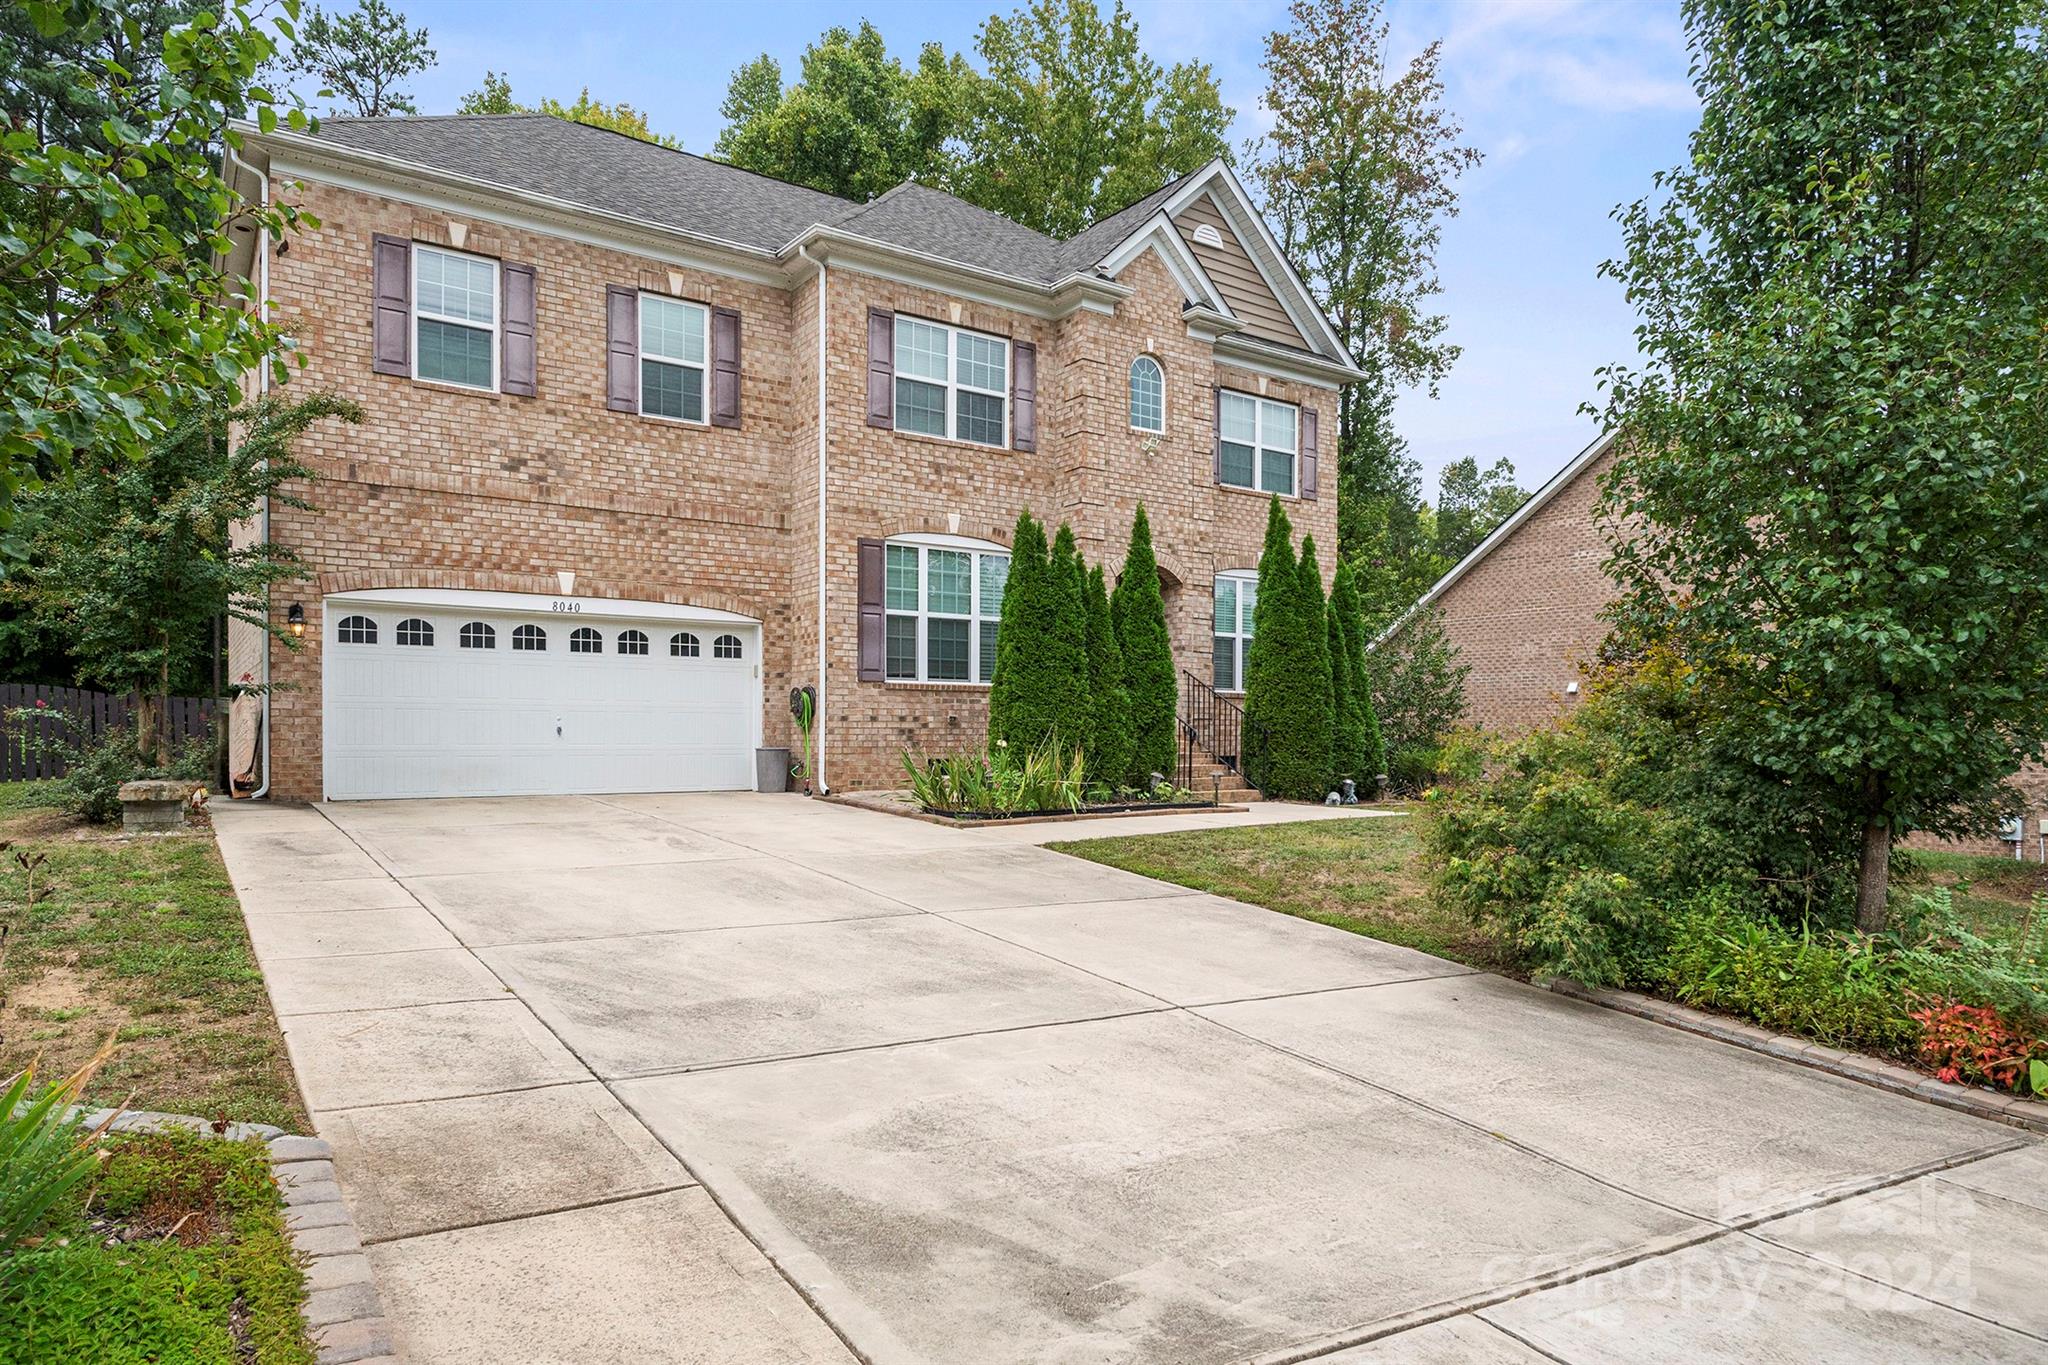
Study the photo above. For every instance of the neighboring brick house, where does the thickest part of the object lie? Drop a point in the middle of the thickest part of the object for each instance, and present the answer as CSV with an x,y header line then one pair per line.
x,y
1524,610
580,540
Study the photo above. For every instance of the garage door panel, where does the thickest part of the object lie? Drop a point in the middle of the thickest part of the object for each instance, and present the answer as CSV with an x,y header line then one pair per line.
x,y
432,718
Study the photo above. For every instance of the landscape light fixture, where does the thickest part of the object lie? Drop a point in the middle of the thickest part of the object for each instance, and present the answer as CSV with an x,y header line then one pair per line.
x,y
295,617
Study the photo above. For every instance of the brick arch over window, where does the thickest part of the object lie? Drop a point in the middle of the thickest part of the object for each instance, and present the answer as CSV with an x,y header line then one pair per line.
x,y
940,526
543,585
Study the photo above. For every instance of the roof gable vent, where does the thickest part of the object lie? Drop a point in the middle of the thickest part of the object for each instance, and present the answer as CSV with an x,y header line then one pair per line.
x,y
1207,235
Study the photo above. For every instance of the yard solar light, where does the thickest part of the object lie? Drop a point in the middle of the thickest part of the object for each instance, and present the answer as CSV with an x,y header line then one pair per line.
x,y
295,617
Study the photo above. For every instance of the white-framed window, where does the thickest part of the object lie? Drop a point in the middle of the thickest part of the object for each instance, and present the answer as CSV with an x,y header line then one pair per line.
x,y
529,638
454,318
1237,593
673,358
477,635
1148,395
726,647
952,382
584,640
414,631
632,642
1259,443
356,630
683,645
942,598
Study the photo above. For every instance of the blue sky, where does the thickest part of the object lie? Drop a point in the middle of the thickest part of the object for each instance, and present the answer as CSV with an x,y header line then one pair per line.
x,y
1574,102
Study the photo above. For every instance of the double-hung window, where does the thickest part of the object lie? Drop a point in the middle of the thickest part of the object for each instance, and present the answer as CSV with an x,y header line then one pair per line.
x,y
951,382
1236,595
455,317
942,600
672,362
1259,439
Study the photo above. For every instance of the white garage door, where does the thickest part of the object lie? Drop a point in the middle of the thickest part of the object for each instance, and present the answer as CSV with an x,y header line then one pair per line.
x,y
479,694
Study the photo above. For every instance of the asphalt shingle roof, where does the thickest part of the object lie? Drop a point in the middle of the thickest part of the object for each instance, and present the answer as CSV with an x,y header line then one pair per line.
x,y
605,170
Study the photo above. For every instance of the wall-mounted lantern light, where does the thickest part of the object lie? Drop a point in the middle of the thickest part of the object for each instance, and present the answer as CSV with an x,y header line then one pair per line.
x,y
295,618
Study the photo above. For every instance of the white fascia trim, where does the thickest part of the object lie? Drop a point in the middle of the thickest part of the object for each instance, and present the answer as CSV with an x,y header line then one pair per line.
x,y
1158,235
294,156
1263,357
886,260
1529,508
529,604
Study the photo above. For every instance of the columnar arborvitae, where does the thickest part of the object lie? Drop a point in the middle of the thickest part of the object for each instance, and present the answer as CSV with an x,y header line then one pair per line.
x,y
1301,752
1140,617
1369,759
1066,648
1039,663
1109,746
1277,569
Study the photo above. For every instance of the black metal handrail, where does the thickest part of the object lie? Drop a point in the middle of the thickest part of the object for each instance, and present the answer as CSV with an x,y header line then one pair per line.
x,y
1213,724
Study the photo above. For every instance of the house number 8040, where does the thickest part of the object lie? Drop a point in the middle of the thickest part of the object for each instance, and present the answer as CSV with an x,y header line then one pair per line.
x,y
568,606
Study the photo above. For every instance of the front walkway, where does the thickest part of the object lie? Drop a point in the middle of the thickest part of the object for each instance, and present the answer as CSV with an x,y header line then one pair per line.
x,y
735,1078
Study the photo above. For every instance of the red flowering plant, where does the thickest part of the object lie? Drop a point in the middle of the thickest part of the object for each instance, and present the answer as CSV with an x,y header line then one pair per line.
x,y
1974,1044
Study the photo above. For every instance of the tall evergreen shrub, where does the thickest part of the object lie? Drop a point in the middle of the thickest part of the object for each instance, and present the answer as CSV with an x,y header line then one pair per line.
x,y
1277,569
1139,613
1362,751
1038,692
1109,748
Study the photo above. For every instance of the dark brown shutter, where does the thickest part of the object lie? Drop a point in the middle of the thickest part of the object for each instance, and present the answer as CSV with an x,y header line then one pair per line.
x,y
873,629
1218,471
881,371
391,318
621,348
517,339
725,368
1308,452
1024,395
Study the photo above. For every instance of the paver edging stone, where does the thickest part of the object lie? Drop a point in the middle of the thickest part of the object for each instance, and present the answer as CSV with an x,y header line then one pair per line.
x,y
343,1312
1854,1066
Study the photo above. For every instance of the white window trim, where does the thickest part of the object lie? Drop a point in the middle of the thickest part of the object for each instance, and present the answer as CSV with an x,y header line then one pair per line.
x,y
975,550
1130,416
953,385
702,367
1259,447
419,250
1241,630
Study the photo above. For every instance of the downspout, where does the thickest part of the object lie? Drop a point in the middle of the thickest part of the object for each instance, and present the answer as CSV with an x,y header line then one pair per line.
x,y
262,387
818,759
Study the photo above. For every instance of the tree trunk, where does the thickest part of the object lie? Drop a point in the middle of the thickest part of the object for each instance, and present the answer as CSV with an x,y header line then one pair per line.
x,y
148,724
1873,872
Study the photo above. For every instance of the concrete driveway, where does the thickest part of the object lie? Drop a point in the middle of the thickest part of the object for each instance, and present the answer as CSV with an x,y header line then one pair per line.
x,y
743,1079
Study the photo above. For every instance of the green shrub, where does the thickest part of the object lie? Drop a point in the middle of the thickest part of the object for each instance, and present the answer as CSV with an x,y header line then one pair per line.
x,y
1417,686
998,780
1109,699
1359,752
1139,614
1038,695
95,770
1287,705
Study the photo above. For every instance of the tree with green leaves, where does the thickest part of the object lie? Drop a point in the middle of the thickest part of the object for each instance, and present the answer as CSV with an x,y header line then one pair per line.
x,y
1138,611
1358,751
1039,692
1416,679
1109,697
1358,174
132,558
1830,497
114,316
362,59
856,121
1471,502
494,96
1071,120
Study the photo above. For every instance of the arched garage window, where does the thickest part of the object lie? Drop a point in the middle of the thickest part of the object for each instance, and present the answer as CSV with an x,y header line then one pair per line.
x,y
584,640
683,645
413,631
942,597
726,647
529,638
356,630
477,635
632,642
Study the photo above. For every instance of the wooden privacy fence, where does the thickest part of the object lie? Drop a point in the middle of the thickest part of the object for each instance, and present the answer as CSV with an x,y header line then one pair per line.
x,y
79,717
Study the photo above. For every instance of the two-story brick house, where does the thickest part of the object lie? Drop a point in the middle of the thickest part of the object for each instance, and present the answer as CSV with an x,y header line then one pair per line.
x,y
649,441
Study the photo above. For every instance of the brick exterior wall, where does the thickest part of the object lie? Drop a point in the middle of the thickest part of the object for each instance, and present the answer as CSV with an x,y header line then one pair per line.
x,y
448,488
1526,618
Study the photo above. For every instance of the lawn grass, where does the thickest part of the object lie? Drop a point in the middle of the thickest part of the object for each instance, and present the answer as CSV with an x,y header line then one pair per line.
x,y
1363,875
142,939
1991,895
176,1251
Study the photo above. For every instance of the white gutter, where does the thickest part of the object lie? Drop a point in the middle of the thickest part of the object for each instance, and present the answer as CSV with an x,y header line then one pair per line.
x,y
262,387
818,717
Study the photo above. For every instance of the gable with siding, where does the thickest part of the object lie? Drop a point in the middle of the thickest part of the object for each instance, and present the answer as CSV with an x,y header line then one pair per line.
x,y
1236,275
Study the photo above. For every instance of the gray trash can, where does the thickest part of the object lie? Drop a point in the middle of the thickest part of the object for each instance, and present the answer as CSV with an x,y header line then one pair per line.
x,y
771,770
